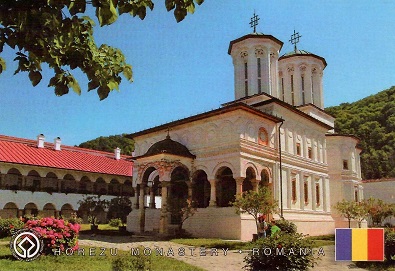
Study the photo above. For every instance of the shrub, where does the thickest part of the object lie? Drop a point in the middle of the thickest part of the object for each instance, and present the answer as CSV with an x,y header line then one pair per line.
x,y
139,262
8,226
57,234
389,246
286,226
115,222
275,253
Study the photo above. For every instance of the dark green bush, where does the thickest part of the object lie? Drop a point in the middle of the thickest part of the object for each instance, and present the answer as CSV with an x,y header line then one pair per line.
x,y
286,226
8,226
282,252
139,262
389,247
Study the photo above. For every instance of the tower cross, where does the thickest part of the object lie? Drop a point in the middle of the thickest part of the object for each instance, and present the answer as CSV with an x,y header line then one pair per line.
x,y
254,21
295,39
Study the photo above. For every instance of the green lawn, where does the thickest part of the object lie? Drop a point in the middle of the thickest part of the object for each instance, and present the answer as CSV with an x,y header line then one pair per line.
x,y
86,263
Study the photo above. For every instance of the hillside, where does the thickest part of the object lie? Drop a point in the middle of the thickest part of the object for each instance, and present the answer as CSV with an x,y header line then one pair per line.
x,y
109,143
372,119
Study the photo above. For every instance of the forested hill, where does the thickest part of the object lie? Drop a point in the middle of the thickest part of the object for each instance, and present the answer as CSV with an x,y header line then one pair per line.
x,y
109,143
372,119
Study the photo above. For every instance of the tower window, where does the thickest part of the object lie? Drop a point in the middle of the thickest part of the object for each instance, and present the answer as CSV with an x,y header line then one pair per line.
x,y
303,94
345,164
282,89
246,78
292,90
259,76
312,90
356,193
310,152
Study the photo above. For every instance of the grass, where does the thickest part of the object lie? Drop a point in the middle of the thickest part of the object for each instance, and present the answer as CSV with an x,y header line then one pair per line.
x,y
318,241
86,263
206,242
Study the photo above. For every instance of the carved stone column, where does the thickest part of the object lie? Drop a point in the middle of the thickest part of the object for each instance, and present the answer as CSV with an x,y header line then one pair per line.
x,y
239,185
213,193
163,215
142,209
136,202
152,204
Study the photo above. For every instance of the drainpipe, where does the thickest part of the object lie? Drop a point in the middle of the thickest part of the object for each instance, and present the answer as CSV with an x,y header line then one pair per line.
x,y
281,170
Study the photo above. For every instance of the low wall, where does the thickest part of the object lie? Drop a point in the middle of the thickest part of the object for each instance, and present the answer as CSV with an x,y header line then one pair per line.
x,y
312,223
215,222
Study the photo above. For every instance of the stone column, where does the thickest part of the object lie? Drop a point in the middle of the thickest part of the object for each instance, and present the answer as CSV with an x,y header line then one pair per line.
x,y
190,189
137,194
163,213
213,193
239,185
142,209
255,184
57,213
152,204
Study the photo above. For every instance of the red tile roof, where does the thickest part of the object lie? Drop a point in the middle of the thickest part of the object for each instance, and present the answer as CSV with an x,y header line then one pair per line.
x,y
25,151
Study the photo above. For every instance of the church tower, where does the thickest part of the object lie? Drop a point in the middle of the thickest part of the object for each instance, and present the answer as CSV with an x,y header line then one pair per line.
x,y
300,77
255,60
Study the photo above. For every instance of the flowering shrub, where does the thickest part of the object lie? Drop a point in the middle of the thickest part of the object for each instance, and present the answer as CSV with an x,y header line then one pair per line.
x,y
282,252
8,226
56,233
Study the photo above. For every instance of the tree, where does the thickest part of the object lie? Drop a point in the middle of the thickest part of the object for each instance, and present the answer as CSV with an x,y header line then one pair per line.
x,y
352,210
91,204
256,203
58,33
109,143
119,207
181,209
379,210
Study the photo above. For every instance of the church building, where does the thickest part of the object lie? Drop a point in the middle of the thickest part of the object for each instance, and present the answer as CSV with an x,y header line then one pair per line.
x,y
275,134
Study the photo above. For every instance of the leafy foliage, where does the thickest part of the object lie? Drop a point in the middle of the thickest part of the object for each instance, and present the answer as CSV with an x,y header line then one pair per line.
x,y
109,143
59,34
119,207
287,226
181,209
352,210
8,226
282,252
135,262
256,203
91,204
379,210
372,119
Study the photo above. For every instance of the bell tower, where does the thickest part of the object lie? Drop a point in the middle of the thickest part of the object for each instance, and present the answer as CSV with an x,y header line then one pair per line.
x,y
255,61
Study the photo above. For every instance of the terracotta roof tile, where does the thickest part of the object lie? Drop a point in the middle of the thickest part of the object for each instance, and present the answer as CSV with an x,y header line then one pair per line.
x,y
24,151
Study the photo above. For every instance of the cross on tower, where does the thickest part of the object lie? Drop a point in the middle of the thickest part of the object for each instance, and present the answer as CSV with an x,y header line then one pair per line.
x,y
295,39
254,21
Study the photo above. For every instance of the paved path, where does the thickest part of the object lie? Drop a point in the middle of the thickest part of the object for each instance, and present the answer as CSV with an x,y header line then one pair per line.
x,y
232,261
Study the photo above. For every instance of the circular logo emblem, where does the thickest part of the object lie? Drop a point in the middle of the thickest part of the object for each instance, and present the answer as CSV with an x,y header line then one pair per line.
x,y
26,245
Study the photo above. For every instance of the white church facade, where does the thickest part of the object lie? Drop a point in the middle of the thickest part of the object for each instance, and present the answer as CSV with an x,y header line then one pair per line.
x,y
275,134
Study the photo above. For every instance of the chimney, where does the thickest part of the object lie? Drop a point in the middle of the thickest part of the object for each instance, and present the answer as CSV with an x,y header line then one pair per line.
x,y
117,153
57,143
40,141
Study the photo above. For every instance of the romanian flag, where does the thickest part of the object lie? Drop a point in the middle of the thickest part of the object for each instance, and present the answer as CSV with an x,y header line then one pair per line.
x,y
359,245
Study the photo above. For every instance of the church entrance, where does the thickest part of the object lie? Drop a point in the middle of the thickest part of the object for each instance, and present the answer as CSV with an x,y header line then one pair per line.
x,y
226,187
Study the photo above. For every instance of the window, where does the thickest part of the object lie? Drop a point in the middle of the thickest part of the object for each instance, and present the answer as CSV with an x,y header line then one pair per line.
x,y
292,90
356,193
310,152
259,76
303,97
298,149
345,164
293,190
317,194
306,192
312,90
246,78
282,89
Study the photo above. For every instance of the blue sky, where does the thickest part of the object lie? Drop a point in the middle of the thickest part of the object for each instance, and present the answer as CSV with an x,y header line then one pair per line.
x,y
184,69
